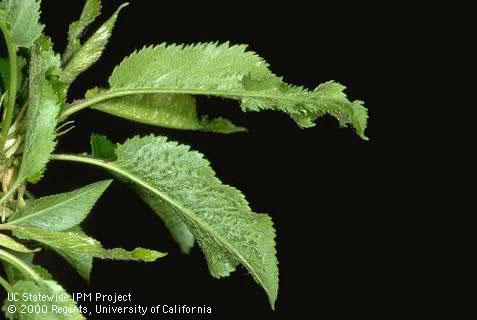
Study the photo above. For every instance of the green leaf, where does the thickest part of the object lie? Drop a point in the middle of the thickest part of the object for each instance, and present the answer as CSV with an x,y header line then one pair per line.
x,y
9,243
48,288
91,11
62,211
21,18
91,51
230,72
82,244
41,115
102,148
169,111
180,182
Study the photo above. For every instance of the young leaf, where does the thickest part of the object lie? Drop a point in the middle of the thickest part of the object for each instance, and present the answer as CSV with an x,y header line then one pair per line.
x,y
21,19
163,110
42,114
62,211
91,10
230,72
91,51
82,244
181,182
48,288
9,243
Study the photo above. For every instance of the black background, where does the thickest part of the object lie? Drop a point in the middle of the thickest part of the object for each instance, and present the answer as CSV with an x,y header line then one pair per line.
x,y
320,185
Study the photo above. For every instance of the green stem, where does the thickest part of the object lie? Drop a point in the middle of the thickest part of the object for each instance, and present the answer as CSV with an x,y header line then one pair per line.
x,y
12,90
4,283
20,265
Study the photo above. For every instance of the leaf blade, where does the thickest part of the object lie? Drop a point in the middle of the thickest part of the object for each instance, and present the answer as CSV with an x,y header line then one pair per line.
x,y
102,148
49,212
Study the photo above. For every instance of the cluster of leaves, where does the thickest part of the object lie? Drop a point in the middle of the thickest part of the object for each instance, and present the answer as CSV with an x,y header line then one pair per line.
x,y
155,85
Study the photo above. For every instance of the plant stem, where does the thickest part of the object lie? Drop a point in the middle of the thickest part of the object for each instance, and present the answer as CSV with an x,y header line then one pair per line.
x,y
12,90
4,283
20,265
